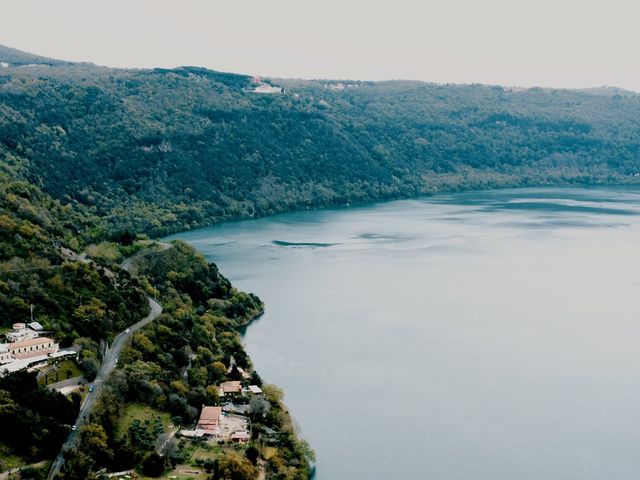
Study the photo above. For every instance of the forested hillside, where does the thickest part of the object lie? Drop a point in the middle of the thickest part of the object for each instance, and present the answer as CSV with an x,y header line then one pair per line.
x,y
171,369
168,149
60,257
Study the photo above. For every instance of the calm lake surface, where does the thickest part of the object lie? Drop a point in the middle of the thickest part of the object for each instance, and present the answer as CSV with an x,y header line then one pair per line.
x,y
491,335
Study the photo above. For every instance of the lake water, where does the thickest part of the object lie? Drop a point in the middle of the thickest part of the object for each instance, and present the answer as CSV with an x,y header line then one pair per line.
x,y
491,335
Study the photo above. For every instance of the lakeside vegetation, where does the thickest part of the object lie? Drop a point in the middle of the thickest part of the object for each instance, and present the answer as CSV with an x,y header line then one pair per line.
x,y
172,368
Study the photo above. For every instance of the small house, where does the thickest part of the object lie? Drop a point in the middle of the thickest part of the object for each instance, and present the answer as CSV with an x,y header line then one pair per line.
x,y
229,388
209,422
240,436
255,390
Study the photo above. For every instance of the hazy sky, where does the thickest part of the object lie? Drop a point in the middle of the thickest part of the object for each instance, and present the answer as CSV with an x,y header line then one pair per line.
x,y
561,43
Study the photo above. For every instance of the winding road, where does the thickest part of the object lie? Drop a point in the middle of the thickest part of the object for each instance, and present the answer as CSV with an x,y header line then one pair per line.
x,y
108,364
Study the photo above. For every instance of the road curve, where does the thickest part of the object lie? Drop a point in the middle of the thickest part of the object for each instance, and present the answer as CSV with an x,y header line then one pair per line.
x,y
108,364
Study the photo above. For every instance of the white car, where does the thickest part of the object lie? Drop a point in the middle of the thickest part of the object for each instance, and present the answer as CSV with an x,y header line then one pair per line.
x,y
74,427
127,330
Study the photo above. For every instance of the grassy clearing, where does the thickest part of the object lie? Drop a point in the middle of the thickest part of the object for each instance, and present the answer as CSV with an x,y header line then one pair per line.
x,y
8,460
210,450
195,451
206,452
107,252
64,370
180,473
142,413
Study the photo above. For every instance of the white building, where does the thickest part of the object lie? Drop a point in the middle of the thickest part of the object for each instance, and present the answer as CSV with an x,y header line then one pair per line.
x,y
20,332
229,388
5,355
32,347
40,358
266,88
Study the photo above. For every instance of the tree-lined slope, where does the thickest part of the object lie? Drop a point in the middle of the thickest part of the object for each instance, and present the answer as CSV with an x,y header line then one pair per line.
x,y
168,149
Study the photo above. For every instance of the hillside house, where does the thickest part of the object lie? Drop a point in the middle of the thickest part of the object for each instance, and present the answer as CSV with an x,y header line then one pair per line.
x,y
254,390
209,422
229,388
234,366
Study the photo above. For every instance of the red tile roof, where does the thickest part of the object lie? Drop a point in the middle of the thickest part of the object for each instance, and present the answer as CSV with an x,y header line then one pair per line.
x,y
29,343
209,419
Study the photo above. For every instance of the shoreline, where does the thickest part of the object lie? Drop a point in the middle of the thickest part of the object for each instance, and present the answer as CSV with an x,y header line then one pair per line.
x,y
624,183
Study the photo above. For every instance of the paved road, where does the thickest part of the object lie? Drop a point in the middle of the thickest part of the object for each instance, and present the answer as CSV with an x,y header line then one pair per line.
x,y
108,364
128,263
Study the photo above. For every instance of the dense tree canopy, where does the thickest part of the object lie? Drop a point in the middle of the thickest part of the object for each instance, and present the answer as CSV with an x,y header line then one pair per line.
x,y
34,419
167,149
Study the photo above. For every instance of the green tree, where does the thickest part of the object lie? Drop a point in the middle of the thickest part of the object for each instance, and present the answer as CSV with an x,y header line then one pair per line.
x,y
233,467
94,441
153,465
252,454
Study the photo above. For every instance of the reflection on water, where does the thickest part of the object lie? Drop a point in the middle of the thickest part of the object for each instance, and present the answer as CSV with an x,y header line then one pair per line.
x,y
473,336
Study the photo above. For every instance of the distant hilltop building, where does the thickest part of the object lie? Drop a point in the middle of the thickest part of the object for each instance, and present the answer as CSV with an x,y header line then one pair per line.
x,y
340,85
266,88
263,87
